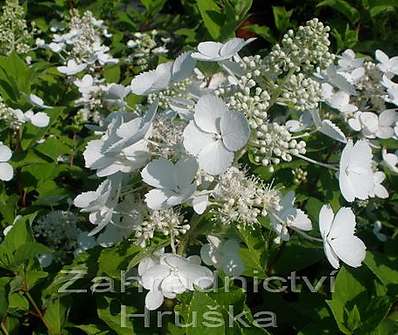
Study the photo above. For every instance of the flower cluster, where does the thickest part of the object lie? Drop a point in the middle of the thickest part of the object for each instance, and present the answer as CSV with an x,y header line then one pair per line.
x,y
14,32
145,46
184,162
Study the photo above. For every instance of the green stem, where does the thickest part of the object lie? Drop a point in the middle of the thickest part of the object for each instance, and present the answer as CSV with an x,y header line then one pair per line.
x,y
3,328
37,310
190,234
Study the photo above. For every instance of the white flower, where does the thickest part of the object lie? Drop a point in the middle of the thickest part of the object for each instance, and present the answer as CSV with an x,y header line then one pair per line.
x,y
37,101
40,120
289,217
123,147
115,95
164,75
390,160
339,241
174,183
169,275
348,61
355,173
328,128
223,255
86,84
387,65
126,218
56,47
373,125
6,171
215,51
71,68
215,134
378,189
339,100
99,203
337,80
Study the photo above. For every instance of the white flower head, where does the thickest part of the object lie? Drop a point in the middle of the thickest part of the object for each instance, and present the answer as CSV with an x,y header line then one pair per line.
x,y
215,51
174,183
387,65
339,100
328,128
355,173
373,125
100,203
164,75
123,147
215,134
289,217
348,61
223,255
40,119
6,170
379,190
390,160
167,275
37,101
339,241
71,68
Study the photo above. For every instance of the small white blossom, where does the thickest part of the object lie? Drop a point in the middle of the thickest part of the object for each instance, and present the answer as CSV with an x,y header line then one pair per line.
x,y
390,160
387,65
6,170
216,51
356,175
223,255
123,147
174,183
215,134
289,217
339,241
168,275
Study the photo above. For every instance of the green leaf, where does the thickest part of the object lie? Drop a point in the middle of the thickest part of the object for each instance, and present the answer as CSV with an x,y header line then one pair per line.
x,y
15,77
55,316
384,268
262,31
282,18
153,7
212,17
222,312
343,7
109,311
4,289
112,73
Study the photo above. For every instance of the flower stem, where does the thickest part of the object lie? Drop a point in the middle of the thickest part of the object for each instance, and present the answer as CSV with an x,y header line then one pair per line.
x,y
37,309
310,160
309,237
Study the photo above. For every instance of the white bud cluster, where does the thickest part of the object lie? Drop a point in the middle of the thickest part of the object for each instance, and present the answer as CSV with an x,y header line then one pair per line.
x,y
145,46
89,38
166,137
301,93
247,95
14,33
306,50
165,221
177,90
242,199
300,176
57,230
8,116
274,143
